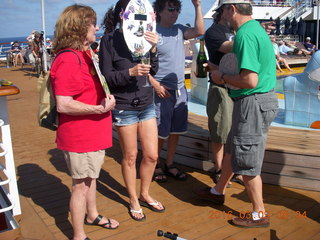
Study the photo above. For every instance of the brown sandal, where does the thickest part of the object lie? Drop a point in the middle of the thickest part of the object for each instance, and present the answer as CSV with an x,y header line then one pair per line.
x,y
180,175
159,175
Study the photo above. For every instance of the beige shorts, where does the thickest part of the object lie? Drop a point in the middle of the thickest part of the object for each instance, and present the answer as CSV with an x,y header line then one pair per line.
x,y
83,165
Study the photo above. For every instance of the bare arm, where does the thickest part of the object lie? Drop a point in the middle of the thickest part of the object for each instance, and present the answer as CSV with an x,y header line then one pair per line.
x,y
67,105
160,90
198,28
246,79
226,47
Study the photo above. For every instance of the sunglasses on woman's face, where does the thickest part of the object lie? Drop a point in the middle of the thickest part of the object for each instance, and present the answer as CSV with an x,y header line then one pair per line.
x,y
172,9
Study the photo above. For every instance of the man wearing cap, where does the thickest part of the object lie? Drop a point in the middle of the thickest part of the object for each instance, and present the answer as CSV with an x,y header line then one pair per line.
x,y
219,41
309,46
255,106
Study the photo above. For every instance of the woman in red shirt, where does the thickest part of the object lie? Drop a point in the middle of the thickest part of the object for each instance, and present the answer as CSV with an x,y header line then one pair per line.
x,y
85,126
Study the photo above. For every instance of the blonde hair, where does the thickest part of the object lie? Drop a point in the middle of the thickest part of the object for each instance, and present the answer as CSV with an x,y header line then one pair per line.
x,y
72,27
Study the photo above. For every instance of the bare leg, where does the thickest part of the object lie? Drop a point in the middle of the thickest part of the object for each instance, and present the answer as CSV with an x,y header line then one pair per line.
x,y
80,188
278,66
285,64
217,151
159,175
92,206
129,147
226,174
172,145
254,189
160,146
149,140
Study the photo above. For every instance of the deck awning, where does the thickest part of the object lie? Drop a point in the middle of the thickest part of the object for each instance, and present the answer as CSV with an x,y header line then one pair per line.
x,y
209,14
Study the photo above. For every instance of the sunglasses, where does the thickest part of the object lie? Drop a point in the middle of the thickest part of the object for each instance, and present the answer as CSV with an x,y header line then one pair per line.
x,y
172,9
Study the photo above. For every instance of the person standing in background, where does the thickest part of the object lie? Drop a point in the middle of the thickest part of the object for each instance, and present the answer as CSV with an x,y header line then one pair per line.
x,y
255,107
134,114
170,91
219,41
85,127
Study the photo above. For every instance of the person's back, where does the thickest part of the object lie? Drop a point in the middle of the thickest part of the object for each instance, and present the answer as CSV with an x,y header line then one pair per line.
x,y
264,62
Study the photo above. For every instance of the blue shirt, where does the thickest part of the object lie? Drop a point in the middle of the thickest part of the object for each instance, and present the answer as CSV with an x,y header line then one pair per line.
x,y
171,56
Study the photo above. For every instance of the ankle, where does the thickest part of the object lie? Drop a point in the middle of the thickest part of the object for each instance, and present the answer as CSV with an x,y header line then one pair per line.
x,y
214,191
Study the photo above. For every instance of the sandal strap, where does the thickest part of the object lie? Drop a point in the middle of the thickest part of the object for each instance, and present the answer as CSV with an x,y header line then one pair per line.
x,y
97,220
136,211
172,166
155,203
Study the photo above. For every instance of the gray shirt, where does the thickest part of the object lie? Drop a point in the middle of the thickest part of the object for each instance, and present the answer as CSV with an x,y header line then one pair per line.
x,y
171,56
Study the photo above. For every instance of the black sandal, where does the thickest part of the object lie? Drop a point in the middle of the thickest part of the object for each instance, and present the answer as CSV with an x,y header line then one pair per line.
x,y
159,175
180,175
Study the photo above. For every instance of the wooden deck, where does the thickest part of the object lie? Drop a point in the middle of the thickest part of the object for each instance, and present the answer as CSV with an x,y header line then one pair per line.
x,y
44,187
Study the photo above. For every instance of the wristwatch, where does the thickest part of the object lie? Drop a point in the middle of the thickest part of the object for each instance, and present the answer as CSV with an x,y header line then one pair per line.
x,y
224,81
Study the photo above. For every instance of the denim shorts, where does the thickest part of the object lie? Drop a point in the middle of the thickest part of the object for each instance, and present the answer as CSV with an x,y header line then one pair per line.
x,y
129,117
252,116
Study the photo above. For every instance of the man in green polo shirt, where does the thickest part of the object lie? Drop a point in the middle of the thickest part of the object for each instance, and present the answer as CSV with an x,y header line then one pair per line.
x,y
255,107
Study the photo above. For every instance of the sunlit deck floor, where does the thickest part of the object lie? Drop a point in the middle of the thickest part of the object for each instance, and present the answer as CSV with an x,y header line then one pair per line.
x,y
44,187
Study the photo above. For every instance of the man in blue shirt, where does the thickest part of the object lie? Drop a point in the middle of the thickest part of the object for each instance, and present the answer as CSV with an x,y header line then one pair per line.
x,y
170,91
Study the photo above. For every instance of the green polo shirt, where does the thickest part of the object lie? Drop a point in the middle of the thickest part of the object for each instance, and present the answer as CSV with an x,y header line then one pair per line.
x,y
255,52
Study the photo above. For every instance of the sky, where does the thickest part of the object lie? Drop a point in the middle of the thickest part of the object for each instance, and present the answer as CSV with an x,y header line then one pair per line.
x,y
19,17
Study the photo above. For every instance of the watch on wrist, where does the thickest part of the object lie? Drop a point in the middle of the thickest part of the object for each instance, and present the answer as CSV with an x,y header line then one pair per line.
x,y
222,78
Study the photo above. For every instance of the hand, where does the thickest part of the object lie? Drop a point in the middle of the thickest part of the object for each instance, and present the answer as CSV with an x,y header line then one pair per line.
x,y
196,3
162,91
152,38
211,66
108,103
216,77
139,70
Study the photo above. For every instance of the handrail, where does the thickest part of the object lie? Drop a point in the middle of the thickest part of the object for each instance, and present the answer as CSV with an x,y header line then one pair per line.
x,y
3,203
4,151
289,10
6,174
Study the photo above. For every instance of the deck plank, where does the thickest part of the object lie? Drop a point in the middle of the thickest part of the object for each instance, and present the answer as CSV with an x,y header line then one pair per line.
x,y
44,187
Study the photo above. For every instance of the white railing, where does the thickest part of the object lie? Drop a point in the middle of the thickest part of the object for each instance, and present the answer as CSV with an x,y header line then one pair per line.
x,y
301,8
8,168
275,3
10,203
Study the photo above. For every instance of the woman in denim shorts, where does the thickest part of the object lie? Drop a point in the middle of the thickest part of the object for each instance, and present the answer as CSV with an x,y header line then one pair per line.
x,y
134,114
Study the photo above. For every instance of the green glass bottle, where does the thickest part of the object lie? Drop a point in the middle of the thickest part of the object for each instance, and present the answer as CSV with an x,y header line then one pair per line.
x,y
201,71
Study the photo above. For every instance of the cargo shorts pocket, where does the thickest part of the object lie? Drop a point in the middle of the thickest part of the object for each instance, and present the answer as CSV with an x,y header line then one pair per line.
x,y
269,110
246,151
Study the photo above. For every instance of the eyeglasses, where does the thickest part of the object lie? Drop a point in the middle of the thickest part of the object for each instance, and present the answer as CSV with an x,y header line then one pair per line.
x,y
172,9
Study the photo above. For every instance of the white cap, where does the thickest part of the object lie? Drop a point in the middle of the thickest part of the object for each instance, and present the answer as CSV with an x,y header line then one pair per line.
x,y
308,38
223,2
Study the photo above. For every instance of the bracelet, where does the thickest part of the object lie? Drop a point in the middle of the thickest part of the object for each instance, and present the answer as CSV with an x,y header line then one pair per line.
x,y
224,81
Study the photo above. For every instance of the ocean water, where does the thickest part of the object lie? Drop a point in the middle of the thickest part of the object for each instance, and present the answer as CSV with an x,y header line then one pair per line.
x,y
5,43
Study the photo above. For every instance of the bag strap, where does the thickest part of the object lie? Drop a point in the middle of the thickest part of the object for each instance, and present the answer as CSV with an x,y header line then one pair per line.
x,y
68,50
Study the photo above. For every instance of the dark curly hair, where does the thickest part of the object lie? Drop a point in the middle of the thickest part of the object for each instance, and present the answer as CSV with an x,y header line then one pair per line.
x,y
159,6
112,16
